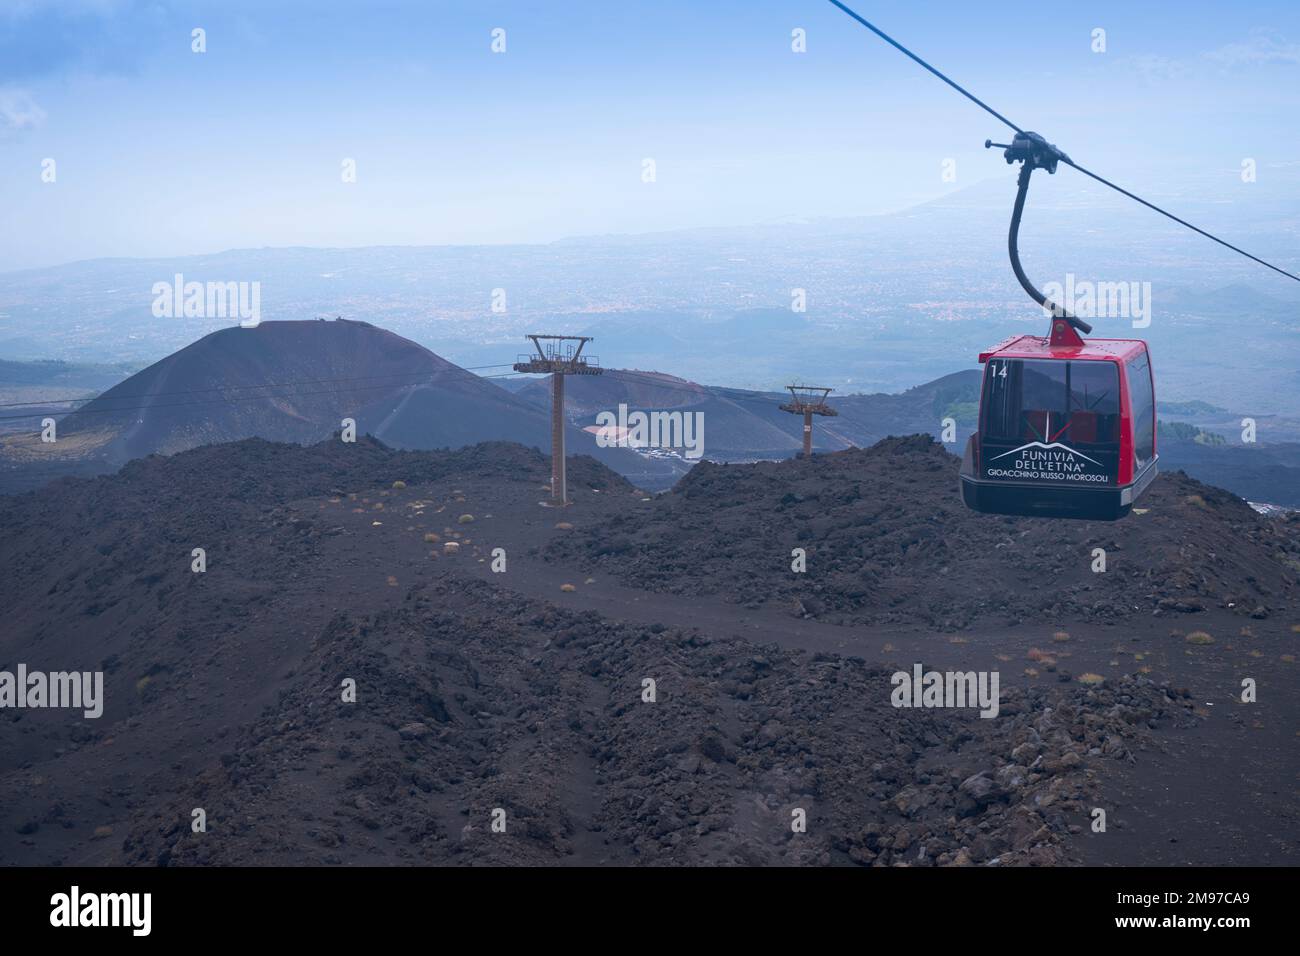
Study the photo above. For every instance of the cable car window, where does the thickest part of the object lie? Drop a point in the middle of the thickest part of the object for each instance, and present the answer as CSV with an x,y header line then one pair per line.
x,y
1143,404
1052,401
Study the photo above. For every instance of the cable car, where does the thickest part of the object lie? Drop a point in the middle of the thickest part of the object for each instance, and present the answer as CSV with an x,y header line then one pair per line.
x,y
1067,427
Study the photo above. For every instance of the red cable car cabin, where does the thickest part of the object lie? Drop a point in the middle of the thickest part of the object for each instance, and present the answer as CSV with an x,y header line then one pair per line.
x,y
1067,428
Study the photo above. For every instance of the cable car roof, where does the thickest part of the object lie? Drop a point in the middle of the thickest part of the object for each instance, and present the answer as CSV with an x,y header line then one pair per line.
x,y
1039,347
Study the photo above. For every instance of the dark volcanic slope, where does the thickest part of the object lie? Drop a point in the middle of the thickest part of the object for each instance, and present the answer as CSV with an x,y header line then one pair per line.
x,y
889,541
98,571
98,577
223,693
84,556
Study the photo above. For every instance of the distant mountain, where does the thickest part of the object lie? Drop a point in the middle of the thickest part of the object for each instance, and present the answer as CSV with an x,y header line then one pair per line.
x,y
296,382
743,425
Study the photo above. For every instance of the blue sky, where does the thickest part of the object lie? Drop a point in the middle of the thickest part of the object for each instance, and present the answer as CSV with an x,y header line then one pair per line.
x,y
161,151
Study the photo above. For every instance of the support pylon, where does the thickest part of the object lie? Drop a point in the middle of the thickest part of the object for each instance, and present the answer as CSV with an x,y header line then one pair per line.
x,y
808,400
558,481
557,355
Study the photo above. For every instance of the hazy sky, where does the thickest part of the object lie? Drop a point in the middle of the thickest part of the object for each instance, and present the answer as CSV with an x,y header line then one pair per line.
x,y
162,151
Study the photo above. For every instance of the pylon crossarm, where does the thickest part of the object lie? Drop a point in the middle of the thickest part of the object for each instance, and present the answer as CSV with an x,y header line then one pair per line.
x,y
808,399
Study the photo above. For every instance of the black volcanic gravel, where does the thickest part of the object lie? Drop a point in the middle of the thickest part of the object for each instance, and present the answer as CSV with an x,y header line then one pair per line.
x,y
223,689
888,541
471,701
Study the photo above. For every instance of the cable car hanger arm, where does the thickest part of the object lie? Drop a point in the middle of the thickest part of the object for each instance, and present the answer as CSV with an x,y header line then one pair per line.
x,y
1033,152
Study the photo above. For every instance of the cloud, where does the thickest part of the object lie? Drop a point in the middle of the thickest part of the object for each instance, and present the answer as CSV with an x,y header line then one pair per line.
x,y
1151,66
18,110
1260,49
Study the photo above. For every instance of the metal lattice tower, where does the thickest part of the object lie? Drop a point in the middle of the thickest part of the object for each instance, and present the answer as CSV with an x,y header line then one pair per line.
x,y
808,400
558,355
